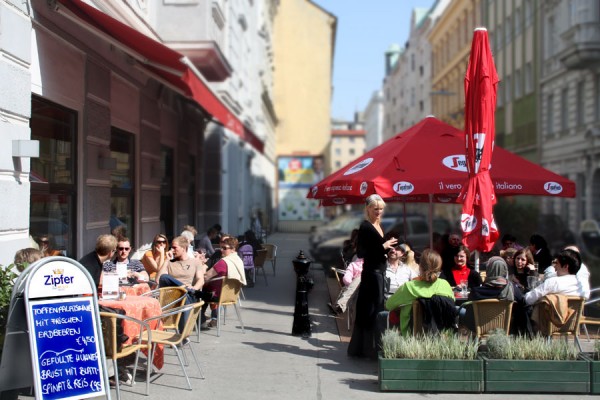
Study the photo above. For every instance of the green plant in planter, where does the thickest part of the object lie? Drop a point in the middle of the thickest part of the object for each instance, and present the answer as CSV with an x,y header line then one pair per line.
x,y
444,346
7,278
429,363
539,347
536,365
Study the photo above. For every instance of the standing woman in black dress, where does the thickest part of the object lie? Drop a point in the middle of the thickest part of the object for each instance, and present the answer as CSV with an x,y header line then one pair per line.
x,y
372,248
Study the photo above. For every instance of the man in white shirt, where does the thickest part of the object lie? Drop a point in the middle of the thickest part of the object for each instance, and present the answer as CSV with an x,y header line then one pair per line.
x,y
565,282
396,271
583,275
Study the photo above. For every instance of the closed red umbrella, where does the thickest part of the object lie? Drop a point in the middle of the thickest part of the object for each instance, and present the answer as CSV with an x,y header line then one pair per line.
x,y
478,197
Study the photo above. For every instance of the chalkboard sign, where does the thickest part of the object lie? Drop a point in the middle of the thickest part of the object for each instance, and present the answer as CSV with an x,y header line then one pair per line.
x,y
66,352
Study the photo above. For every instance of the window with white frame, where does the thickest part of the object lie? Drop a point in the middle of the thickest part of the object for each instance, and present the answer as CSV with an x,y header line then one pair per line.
x,y
518,22
528,78
507,90
580,110
550,114
597,96
564,116
518,87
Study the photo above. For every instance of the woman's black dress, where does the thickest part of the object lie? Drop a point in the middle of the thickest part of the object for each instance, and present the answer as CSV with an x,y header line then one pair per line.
x,y
370,299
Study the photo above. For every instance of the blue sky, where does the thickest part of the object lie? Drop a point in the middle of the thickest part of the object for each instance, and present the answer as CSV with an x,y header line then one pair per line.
x,y
366,29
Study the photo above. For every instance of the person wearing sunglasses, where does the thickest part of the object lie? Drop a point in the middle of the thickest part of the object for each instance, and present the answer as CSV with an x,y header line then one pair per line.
x,y
135,269
156,258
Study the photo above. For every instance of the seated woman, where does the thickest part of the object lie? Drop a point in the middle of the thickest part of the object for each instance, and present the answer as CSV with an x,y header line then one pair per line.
x,y
523,268
496,286
461,271
47,246
156,258
426,285
229,266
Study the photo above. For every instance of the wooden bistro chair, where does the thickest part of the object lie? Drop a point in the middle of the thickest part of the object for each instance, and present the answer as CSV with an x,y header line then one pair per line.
x,y
416,316
115,350
592,303
177,340
259,263
490,315
271,255
571,326
170,298
349,307
230,292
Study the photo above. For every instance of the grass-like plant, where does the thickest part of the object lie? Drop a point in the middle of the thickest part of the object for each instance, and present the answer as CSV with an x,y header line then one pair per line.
x,y
443,346
539,347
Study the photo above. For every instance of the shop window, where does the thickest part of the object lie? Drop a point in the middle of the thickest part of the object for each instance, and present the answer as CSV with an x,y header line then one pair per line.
x,y
167,191
122,186
53,191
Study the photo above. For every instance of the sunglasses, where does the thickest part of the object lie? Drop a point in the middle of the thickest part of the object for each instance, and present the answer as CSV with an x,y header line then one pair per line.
x,y
226,248
161,241
124,248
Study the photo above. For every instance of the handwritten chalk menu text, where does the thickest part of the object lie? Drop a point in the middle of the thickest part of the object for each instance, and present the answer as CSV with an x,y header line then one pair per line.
x,y
66,354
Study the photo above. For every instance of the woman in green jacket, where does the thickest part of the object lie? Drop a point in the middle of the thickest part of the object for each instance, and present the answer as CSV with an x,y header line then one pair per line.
x,y
428,284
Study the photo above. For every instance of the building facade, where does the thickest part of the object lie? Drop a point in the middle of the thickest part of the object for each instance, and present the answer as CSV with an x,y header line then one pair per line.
x,y
569,112
374,117
450,40
346,146
302,96
112,127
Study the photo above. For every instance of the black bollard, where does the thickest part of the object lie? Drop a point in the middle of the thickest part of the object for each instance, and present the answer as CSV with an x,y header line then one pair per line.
x,y
304,284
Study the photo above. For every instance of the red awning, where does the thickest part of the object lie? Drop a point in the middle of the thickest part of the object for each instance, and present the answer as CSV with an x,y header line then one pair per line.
x,y
165,62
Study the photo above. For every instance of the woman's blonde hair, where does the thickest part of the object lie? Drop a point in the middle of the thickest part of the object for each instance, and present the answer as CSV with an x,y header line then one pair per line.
x,y
430,265
372,201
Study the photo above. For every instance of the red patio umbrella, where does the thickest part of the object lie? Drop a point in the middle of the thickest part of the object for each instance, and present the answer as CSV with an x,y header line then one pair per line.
x,y
427,163
481,81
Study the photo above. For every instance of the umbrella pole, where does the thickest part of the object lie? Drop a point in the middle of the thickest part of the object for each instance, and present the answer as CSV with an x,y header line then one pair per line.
x,y
431,221
476,257
404,215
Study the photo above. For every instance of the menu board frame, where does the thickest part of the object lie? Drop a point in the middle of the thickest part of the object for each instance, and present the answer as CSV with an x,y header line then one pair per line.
x,y
81,371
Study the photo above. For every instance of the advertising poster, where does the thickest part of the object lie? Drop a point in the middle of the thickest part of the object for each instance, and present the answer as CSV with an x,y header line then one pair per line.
x,y
296,176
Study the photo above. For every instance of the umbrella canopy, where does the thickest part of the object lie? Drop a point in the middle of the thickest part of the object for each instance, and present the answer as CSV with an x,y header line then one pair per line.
x,y
429,159
481,81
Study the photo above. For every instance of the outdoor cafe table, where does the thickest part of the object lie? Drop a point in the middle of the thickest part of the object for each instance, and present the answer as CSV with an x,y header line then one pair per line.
x,y
141,308
135,290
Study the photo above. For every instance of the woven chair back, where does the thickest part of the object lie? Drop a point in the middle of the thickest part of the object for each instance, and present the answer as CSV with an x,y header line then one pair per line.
x,y
492,314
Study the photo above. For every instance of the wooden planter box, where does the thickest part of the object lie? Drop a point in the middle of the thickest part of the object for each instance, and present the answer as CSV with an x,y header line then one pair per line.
x,y
594,373
430,375
531,376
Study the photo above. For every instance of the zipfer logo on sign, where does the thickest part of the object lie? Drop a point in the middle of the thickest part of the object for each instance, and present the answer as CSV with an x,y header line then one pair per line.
x,y
359,167
553,187
403,187
57,279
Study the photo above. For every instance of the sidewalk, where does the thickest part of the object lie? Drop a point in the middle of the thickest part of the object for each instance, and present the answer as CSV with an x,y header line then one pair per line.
x,y
267,362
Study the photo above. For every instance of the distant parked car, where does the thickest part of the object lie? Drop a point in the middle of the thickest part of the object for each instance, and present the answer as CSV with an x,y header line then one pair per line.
x,y
416,230
329,252
341,226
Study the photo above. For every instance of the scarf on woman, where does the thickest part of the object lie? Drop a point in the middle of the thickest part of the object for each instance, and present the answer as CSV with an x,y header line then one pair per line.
x,y
497,276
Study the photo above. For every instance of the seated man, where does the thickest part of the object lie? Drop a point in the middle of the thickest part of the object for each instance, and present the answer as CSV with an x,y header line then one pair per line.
x,y
183,270
565,282
583,275
135,268
105,248
351,281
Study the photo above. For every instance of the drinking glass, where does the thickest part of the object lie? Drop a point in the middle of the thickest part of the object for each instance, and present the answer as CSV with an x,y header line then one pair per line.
x,y
464,286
